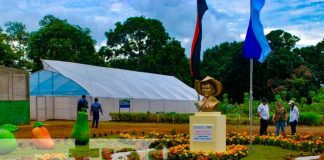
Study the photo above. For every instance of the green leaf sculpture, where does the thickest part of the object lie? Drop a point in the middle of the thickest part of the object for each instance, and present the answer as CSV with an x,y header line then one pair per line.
x,y
81,131
8,141
10,127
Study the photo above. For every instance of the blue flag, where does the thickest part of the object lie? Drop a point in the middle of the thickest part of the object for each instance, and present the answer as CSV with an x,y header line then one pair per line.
x,y
196,42
256,45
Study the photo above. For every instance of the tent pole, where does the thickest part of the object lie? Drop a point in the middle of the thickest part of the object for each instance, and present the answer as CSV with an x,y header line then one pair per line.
x,y
52,83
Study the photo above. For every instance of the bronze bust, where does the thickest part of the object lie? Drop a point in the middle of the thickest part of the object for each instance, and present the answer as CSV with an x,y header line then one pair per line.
x,y
209,88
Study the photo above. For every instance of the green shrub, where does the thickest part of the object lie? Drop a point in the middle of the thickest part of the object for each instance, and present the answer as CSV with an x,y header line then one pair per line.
x,y
150,117
140,117
309,118
168,118
305,118
314,107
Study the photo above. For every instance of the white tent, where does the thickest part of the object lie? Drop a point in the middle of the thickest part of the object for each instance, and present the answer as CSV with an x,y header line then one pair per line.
x,y
146,91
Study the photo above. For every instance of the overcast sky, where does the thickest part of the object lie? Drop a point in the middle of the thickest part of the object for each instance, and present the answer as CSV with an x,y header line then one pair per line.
x,y
225,20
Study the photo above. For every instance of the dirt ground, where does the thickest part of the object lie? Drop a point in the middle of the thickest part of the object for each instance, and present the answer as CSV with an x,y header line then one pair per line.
x,y
62,129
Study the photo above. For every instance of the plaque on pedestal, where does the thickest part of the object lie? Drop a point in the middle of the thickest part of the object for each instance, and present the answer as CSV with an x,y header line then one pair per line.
x,y
208,132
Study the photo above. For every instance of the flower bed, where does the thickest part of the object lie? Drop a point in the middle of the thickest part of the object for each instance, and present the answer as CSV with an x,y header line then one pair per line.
x,y
50,156
182,152
170,141
178,146
307,143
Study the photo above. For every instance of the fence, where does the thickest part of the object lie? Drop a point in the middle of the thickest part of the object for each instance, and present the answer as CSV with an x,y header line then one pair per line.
x,y
14,96
14,84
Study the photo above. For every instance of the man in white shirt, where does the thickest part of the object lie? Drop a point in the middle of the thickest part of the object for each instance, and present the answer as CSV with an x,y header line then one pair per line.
x,y
293,116
263,112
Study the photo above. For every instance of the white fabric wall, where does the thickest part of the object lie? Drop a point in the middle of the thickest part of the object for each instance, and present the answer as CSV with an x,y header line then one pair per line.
x,y
156,106
41,108
142,105
74,107
183,107
64,108
172,106
49,107
108,105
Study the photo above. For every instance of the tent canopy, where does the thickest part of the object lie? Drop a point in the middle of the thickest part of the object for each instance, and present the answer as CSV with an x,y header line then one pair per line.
x,y
117,83
45,83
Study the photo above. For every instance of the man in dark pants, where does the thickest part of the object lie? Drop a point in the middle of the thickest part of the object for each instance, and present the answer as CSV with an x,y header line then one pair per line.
x,y
263,112
82,103
293,116
95,108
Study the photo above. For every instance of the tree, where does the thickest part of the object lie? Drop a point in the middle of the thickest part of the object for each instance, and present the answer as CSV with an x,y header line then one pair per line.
x,y
271,75
7,55
319,68
170,60
313,57
279,39
59,40
17,31
135,37
142,44
225,63
299,84
18,37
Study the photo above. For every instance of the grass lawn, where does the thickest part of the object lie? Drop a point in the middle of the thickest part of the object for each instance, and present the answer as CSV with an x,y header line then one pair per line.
x,y
261,152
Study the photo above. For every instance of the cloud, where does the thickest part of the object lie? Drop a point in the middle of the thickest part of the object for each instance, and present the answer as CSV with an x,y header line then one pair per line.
x,y
100,44
307,36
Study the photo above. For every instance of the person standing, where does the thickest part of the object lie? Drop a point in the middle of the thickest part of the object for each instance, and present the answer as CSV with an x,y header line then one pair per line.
x,y
263,112
293,116
82,104
95,109
280,117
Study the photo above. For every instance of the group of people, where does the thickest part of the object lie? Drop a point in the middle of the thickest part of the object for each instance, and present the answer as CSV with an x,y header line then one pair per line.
x,y
94,111
280,117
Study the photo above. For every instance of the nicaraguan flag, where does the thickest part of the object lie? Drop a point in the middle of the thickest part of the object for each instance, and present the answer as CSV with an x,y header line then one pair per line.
x,y
256,45
196,42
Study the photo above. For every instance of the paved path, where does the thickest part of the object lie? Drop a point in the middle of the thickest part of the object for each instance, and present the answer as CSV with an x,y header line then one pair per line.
x,y
308,158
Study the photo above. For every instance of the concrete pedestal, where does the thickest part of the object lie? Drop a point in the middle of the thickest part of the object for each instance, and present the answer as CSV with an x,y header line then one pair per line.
x,y
208,132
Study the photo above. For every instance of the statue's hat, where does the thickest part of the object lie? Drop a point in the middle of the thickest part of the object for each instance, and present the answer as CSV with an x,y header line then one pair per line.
x,y
217,85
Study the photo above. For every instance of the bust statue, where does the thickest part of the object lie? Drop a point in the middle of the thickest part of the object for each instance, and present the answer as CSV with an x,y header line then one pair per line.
x,y
209,88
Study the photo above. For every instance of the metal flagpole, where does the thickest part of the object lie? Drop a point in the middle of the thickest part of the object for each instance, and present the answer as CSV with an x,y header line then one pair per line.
x,y
251,100
251,92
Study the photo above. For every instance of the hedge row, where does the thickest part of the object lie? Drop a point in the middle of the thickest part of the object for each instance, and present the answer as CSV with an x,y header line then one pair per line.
x,y
305,118
311,118
314,107
150,117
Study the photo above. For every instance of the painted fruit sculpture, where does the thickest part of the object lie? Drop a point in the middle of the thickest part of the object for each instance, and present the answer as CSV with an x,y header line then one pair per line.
x,y
41,137
81,131
8,141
